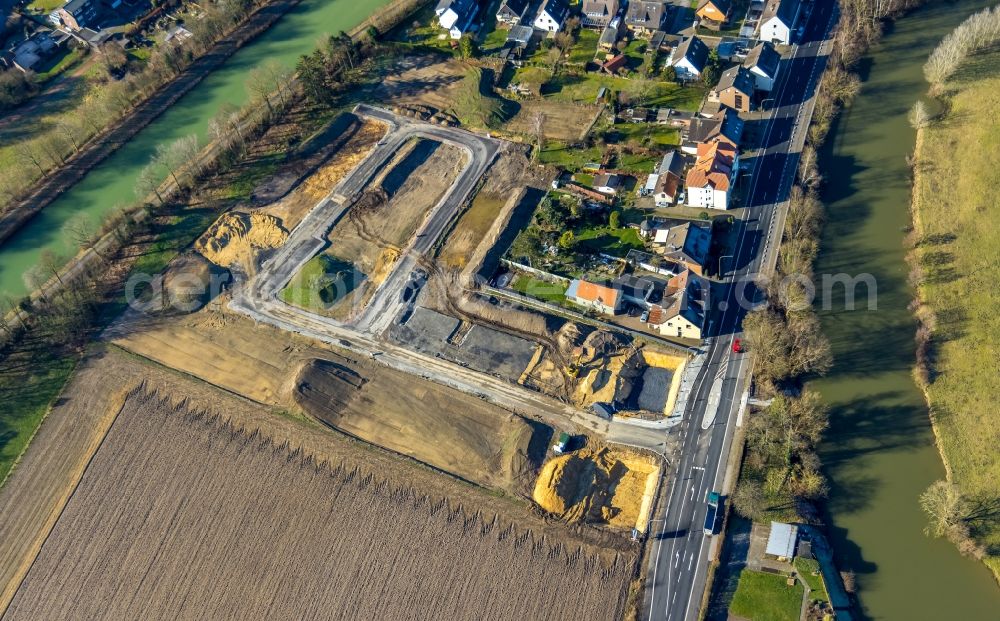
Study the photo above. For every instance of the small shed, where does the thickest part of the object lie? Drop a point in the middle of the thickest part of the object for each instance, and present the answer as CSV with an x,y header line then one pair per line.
x,y
781,540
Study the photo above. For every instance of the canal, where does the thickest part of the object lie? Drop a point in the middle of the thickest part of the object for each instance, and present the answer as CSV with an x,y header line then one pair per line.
x,y
112,183
879,452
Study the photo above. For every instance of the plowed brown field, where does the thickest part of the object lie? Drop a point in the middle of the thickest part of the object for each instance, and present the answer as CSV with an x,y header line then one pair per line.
x,y
181,516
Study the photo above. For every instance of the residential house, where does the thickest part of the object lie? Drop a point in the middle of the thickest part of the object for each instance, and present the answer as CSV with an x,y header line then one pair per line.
x,y
511,12
763,62
725,125
668,182
713,13
27,55
77,14
603,299
456,16
777,22
610,35
552,15
607,183
685,244
781,541
598,13
735,89
689,58
645,16
641,291
711,179
684,307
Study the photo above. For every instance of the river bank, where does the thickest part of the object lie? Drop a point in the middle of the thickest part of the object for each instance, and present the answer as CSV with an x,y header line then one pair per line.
x,y
111,183
955,263
879,453
102,145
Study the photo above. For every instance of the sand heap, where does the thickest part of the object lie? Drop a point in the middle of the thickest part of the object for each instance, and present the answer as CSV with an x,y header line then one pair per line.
x,y
234,238
607,486
344,161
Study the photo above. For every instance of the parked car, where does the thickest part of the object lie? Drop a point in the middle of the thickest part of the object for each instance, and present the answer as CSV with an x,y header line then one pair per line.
x,y
738,346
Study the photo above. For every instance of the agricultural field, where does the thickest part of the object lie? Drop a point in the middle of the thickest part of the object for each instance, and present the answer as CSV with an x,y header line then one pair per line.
x,y
325,537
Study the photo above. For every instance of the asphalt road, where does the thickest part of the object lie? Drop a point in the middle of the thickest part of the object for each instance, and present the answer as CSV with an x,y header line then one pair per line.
x,y
681,551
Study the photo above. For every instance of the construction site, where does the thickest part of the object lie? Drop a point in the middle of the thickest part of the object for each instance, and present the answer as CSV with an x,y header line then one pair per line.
x,y
330,337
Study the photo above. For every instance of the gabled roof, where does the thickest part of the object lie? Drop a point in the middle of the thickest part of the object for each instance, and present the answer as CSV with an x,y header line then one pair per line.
x,y
714,166
600,8
765,58
513,7
642,287
725,124
646,13
607,180
736,77
521,34
687,297
613,65
672,162
785,10
593,292
608,36
722,6
557,9
694,50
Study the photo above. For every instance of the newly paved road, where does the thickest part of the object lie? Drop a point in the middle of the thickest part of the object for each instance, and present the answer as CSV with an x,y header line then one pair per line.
x,y
681,551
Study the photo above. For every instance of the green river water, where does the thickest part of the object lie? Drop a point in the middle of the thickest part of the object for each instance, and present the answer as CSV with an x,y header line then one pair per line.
x,y
112,183
879,452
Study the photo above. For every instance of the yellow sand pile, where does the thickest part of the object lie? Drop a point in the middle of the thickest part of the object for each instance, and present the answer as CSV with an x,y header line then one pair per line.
x,y
607,486
598,383
235,237
320,183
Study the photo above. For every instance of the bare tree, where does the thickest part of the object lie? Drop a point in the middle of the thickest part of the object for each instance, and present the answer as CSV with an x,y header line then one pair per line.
x,y
538,126
79,228
919,116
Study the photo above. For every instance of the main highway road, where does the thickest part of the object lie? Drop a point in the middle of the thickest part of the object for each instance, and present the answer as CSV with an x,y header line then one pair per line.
x,y
680,552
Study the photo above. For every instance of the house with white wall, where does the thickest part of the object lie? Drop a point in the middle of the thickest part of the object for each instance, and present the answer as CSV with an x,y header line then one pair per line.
x,y
777,22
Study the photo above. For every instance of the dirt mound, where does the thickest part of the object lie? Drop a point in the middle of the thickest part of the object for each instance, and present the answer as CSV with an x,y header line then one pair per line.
x,y
190,281
235,237
598,486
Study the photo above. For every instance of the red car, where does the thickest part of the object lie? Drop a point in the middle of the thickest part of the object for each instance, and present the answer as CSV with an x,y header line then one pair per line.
x,y
737,346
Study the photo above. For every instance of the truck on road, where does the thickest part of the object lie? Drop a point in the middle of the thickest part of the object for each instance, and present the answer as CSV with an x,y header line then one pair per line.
x,y
714,501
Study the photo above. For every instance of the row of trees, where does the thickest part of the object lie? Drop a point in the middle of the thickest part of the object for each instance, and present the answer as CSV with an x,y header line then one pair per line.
x,y
980,31
108,102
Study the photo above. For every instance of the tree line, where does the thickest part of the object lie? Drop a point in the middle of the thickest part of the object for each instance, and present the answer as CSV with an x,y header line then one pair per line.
x,y
106,103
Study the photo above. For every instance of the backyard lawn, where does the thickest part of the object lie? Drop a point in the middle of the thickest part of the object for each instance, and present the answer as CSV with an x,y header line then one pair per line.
x,y
559,154
584,88
541,289
766,597
611,241
585,48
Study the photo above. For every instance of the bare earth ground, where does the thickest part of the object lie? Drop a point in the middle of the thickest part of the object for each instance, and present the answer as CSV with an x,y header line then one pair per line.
x,y
452,431
361,138
510,172
422,80
180,516
562,121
